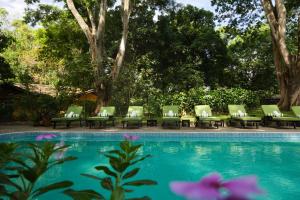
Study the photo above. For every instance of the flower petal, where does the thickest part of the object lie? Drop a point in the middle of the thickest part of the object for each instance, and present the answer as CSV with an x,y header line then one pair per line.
x,y
45,136
212,180
195,190
130,137
39,137
242,187
134,137
126,136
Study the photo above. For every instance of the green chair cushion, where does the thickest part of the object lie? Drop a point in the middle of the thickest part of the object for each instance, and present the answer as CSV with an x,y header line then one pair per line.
x,y
203,111
171,118
97,119
296,111
291,119
61,119
134,114
247,118
171,111
269,110
235,110
210,119
75,110
107,111
130,119
135,111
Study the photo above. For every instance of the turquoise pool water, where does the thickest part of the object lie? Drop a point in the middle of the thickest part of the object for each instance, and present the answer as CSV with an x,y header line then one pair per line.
x,y
275,159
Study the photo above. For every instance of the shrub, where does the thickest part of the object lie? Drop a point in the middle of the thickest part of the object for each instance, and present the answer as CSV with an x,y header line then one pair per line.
x,y
218,99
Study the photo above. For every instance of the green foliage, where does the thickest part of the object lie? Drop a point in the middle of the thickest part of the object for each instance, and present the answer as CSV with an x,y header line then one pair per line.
x,y
35,107
117,175
8,153
218,99
19,180
65,52
5,39
21,54
6,73
187,50
171,50
242,15
252,61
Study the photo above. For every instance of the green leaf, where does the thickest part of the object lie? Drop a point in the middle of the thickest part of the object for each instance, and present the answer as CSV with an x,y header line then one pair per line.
x,y
141,159
30,175
3,191
19,195
141,182
134,148
64,147
69,158
119,166
131,173
140,198
54,186
112,158
92,176
127,190
4,179
119,153
106,170
83,194
107,184
21,163
125,145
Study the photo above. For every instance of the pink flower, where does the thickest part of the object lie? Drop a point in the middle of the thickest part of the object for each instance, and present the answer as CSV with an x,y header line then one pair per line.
x,y
45,136
242,187
212,187
131,137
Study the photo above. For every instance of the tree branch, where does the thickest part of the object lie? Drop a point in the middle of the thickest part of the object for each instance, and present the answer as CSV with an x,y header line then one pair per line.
x,y
281,10
101,23
278,27
298,36
121,53
268,8
92,20
83,25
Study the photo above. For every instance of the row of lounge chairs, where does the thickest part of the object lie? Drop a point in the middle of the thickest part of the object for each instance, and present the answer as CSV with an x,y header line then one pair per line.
x,y
171,116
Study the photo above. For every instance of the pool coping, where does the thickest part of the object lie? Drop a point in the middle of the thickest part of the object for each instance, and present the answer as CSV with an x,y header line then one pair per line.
x,y
161,136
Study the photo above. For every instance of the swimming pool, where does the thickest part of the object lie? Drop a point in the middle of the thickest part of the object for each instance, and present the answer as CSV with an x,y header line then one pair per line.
x,y
273,157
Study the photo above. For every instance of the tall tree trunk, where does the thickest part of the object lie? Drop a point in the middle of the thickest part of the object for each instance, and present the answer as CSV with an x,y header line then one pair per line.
x,y
95,36
287,66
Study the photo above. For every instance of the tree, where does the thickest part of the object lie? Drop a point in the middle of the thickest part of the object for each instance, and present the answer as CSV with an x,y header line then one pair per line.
x,y
189,52
91,17
64,52
22,53
93,29
5,70
280,15
251,65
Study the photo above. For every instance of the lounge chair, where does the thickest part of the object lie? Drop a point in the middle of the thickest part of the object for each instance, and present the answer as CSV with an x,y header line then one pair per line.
x,y
238,114
134,117
105,114
296,111
273,114
73,114
171,116
204,116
